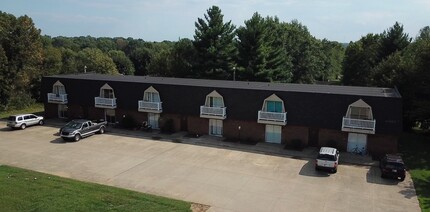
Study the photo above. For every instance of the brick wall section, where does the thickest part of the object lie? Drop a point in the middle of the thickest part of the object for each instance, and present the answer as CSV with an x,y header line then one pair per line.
x,y
139,117
290,133
325,137
378,145
51,110
197,125
249,130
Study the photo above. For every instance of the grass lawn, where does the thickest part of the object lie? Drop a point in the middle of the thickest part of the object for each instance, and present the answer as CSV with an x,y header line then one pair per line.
x,y
24,190
35,108
416,153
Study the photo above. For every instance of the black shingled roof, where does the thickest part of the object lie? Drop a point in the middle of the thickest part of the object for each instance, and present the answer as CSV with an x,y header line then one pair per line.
x,y
306,88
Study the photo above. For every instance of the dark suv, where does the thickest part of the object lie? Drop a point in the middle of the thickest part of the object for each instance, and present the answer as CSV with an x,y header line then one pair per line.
x,y
392,166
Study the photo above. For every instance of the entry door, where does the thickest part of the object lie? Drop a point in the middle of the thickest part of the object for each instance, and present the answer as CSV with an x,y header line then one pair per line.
x,y
153,120
110,115
357,143
215,127
62,111
273,134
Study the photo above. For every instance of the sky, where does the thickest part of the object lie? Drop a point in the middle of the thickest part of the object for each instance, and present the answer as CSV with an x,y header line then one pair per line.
x,y
158,20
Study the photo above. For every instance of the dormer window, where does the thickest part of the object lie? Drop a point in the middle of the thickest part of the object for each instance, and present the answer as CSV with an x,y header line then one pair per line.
x,y
58,88
151,102
106,99
58,94
359,118
107,92
214,106
273,111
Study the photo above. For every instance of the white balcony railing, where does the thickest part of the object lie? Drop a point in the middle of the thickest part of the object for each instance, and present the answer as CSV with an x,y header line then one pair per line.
x,y
358,124
154,107
105,102
213,112
272,118
57,98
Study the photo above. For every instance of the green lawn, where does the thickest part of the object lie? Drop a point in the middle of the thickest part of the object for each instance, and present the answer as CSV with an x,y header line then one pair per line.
x,y
24,190
416,153
35,108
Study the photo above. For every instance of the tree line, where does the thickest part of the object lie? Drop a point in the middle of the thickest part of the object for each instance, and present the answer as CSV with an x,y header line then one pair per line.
x,y
263,49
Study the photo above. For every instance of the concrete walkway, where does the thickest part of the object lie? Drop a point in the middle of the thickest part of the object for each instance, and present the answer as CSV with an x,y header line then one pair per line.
x,y
213,141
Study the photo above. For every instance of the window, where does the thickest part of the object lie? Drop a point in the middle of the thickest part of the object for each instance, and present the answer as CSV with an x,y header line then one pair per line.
x,y
107,92
153,120
214,99
85,125
273,104
20,118
359,113
27,117
359,110
58,88
151,97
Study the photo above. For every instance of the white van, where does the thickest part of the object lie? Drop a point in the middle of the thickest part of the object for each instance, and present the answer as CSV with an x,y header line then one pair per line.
x,y
24,120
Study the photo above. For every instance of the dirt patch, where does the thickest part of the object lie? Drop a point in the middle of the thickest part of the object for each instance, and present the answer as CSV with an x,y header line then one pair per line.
x,y
196,207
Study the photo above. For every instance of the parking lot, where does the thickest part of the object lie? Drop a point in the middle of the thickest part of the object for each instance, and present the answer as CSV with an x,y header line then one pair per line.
x,y
227,180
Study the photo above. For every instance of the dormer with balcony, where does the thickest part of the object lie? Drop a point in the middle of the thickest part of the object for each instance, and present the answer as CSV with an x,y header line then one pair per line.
x,y
214,107
151,102
359,118
106,99
58,95
273,111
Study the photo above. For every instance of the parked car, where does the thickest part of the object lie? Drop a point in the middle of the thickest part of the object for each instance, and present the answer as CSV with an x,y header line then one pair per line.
x,y
80,128
327,159
392,166
22,121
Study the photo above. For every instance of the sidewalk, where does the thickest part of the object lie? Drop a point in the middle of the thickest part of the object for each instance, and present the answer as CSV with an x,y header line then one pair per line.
x,y
218,142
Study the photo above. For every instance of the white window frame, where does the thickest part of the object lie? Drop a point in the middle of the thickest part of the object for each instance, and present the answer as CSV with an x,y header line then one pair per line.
x,y
151,95
58,88
216,124
106,88
214,95
361,105
273,98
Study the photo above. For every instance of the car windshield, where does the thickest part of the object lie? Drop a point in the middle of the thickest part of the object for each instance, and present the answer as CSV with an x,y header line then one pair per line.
x,y
12,118
326,157
395,165
74,125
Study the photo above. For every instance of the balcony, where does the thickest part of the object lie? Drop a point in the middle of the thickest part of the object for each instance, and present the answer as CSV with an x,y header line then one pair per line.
x,y
272,118
109,103
57,98
150,107
358,125
213,112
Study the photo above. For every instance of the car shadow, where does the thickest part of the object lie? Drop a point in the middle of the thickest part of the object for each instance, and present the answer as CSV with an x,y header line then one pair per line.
x,y
373,175
58,141
309,170
6,129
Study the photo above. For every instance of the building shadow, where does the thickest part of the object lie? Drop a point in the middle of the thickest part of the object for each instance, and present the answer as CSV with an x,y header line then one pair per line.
x,y
309,170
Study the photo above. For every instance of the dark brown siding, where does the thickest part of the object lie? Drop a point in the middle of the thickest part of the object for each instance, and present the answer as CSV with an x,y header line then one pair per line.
x,y
51,110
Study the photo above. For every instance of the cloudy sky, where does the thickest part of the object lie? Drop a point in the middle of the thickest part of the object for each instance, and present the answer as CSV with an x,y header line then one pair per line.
x,y
157,20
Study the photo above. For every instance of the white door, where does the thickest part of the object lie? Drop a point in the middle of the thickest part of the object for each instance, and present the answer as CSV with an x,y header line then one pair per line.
x,y
62,111
273,134
153,120
357,143
215,127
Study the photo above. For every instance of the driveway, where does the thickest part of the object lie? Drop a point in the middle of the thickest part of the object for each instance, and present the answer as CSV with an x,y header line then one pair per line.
x,y
227,180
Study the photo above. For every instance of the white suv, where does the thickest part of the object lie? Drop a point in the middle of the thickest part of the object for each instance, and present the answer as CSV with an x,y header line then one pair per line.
x,y
328,159
24,120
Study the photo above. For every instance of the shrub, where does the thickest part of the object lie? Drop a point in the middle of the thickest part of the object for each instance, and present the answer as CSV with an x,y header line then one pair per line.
x,y
297,144
166,125
20,101
128,122
332,143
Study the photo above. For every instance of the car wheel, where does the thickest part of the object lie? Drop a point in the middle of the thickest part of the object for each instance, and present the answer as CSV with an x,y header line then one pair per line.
x,y
102,130
41,122
334,170
77,137
23,126
402,179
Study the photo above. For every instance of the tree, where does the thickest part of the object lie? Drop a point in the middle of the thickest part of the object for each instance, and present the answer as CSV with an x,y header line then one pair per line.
x,y
393,40
122,62
182,59
360,58
333,53
213,41
95,61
